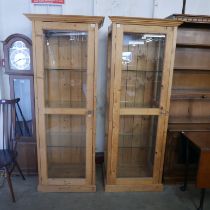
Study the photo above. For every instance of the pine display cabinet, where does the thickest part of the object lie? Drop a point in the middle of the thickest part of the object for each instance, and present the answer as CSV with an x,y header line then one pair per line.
x,y
65,62
139,74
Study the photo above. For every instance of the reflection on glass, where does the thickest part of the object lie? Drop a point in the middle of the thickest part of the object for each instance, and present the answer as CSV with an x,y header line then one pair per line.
x,y
22,88
66,146
137,140
65,68
142,66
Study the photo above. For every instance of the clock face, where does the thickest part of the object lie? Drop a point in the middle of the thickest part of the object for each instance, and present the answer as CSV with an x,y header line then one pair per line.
x,y
19,56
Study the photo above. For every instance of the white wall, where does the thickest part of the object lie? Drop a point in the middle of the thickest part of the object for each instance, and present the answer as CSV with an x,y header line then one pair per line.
x,y
13,21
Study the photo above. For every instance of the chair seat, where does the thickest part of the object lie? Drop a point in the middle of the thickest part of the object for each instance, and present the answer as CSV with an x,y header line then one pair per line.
x,y
7,157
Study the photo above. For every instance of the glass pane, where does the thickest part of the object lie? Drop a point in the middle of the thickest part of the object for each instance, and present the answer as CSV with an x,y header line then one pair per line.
x,y
66,146
19,56
137,140
65,68
24,123
142,66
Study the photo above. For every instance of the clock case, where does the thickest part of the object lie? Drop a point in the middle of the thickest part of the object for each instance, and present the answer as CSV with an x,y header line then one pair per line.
x,y
26,147
8,44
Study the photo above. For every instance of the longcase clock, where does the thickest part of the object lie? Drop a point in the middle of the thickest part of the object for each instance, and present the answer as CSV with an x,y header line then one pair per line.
x,y
18,65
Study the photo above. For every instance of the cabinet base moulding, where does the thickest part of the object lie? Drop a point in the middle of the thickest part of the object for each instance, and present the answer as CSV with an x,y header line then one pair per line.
x,y
70,188
134,188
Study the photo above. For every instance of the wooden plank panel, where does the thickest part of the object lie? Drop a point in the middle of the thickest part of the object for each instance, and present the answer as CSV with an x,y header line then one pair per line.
x,y
190,108
193,36
186,58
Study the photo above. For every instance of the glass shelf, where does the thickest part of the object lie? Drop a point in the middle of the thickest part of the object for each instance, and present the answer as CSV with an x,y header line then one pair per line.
x,y
64,69
60,146
143,71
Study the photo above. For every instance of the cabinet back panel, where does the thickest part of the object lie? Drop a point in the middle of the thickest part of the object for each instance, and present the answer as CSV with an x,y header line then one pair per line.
x,y
64,52
142,65
193,36
190,108
137,141
66,143
192,58
191,80
65,68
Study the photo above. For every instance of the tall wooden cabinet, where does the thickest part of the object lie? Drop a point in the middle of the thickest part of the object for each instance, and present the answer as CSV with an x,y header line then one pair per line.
x,y
140,66
190,99
65,61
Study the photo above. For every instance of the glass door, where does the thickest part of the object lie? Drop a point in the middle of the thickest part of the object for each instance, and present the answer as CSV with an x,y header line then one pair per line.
x,y
67,116
140,103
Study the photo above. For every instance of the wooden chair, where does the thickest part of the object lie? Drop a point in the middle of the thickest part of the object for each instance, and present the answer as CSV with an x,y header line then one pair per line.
x,y
8,153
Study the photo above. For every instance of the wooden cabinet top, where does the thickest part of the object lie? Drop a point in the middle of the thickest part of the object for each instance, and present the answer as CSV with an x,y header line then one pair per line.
x,y
66,18
145,21
191,18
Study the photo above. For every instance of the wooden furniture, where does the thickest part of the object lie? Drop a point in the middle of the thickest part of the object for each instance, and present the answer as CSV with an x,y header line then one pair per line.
x,y
8,152
201,140
65,60
139,75
190,97
18,65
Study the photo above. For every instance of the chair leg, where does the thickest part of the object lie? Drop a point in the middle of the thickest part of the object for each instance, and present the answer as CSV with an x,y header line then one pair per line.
x,y
10,184
18,167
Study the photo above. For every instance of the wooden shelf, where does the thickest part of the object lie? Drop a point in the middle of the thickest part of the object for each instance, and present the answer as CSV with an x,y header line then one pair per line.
x,y
188,127
190,94
187,120
192,45
190,68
